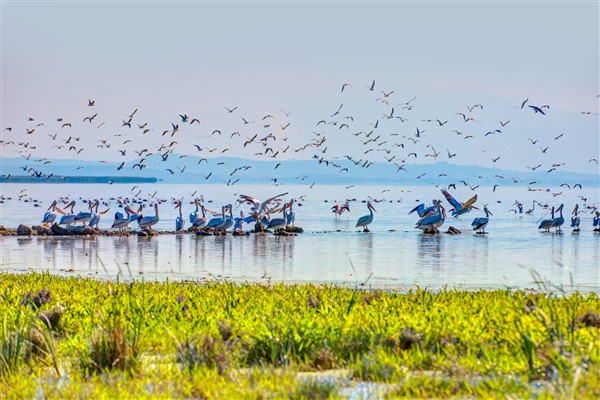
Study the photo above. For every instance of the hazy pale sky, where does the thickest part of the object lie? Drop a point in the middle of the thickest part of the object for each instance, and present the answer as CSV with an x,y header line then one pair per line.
x,y
196,58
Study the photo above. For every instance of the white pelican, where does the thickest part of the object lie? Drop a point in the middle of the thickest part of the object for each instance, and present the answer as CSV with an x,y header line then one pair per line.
x,y
97,215
558,221
85,216
547,223
291,214
460,208
228,223
278,223
259,208
217,221
124,221
149,222
179,221
199,222
575,219
50,214
67,218
194,215
433,221
480,223
364,221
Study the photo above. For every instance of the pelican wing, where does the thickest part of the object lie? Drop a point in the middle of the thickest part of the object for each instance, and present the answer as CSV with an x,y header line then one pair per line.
x,y
418,209
457,206
264,204
469,202
363,220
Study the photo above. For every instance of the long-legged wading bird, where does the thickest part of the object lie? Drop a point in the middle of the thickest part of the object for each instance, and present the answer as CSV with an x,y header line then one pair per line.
x,y
479,224
365,220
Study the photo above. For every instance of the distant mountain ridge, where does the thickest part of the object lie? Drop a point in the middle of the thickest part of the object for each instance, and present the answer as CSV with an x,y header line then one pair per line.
x,y
230,169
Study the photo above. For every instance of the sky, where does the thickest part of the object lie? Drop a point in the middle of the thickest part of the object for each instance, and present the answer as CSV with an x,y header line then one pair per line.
x,y
164,59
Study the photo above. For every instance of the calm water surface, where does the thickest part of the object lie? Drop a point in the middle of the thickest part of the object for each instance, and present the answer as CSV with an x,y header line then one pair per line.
x,y
331,250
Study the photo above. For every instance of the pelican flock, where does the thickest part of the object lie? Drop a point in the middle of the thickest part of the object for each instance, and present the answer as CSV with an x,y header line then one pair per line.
x,y
398,131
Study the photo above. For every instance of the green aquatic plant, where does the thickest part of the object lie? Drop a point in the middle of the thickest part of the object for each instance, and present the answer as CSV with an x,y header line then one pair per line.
x,y
96,338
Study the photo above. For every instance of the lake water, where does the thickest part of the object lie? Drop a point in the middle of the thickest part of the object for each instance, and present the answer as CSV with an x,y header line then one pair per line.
x,y
331,250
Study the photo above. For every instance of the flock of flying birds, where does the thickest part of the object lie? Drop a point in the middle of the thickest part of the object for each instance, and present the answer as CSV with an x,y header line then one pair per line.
x,y
392,137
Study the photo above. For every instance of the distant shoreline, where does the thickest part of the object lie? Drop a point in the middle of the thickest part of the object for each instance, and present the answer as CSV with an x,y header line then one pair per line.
x,y
78,179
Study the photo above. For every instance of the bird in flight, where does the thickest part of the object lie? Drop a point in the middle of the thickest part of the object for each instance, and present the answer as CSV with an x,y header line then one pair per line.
x,y
537,109
344,86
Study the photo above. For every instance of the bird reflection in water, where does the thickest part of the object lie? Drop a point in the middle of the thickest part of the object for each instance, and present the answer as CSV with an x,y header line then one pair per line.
x,y
430,250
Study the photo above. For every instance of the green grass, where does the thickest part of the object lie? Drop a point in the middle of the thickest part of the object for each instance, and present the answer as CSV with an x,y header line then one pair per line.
x,y
80,337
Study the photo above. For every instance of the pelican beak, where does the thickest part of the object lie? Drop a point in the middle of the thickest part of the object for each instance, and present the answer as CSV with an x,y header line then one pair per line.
x,y
105,211
490,213
178,205
373,208
475,208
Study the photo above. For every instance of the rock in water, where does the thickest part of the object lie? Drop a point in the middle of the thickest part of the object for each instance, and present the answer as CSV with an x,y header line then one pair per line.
x,y
23,230
59,230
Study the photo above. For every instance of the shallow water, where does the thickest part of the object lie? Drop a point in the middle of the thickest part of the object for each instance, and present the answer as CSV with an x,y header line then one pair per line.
x,y
331,250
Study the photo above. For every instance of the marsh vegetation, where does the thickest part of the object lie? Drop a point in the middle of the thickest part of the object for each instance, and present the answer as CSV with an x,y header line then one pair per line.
x,y
80,337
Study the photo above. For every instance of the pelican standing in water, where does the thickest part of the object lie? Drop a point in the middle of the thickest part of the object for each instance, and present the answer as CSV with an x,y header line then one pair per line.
x,y
291,214
575,219
596,222
179,221
431,222
558,221
150,221
422,211
479,224
50,214
547,223
365,220
278,223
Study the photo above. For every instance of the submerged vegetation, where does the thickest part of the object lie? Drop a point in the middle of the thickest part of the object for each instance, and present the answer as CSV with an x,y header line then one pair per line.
x,y
79,337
